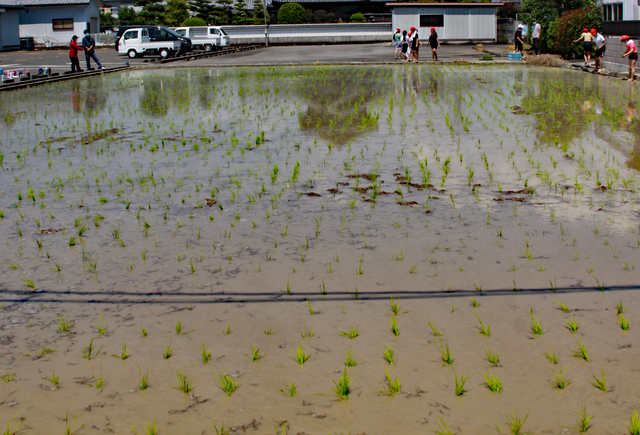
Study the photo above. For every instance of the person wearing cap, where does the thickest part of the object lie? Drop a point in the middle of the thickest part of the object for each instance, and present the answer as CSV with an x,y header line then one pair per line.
x,y
586,37
89,46
434,43
535,36
518,39
412,30
73,54
415,44
397,41
599,42
405,44
632,53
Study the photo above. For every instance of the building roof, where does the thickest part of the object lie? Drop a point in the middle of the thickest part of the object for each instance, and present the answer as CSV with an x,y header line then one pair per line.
x,y
11,4
442,5
326,1
32,3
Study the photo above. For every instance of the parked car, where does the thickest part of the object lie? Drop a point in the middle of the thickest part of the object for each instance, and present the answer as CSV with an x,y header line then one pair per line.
x,y
137,42
157,34
205,38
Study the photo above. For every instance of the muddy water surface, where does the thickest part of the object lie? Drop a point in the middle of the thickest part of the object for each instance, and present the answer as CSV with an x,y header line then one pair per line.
x,y
280,207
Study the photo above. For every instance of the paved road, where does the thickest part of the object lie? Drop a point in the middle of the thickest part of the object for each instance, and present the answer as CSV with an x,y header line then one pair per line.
x,y
58,60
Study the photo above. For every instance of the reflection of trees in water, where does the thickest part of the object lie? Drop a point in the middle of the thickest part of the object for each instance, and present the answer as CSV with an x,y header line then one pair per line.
x,y
339,100
160,93
97,95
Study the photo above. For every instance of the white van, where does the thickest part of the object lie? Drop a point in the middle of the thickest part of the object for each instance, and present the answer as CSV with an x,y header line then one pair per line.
x,y
136,43
205,38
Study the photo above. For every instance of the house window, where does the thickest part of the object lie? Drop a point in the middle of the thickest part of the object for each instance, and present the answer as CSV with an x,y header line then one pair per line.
x,y
612,12
431,20
63,24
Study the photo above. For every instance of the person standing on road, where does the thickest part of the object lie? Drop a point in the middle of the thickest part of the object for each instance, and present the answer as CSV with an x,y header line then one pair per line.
x,y
415,44
632,52
73,54
405,45
89,46
535,36
434,42
599,42
397,41
587,37
410,42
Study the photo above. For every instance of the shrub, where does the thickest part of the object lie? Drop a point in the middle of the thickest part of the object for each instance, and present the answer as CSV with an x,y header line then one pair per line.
x,y
194,22
357,18
568,28
292,13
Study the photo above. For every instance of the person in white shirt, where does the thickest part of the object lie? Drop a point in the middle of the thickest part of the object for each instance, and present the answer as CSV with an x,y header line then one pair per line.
x,y
535,35
600,43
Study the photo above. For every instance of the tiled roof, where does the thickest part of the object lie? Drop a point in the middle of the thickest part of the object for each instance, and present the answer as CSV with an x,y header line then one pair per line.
x,y
52,2
10,4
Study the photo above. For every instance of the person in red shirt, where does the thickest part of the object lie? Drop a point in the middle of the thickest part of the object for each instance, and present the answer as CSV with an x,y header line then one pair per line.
x,y
73,54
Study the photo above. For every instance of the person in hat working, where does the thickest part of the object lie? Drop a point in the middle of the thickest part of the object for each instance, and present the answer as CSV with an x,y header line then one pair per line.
x,y
599,42
397,41
434,43
412,30
535,36
518,39
73,54
632,53
587,37
415,45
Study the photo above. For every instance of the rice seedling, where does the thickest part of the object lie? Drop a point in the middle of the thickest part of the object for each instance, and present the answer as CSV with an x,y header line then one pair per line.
x,y
55,380
583,424
536,326
624,324
124,354
388,355
15,430
572,325
559,383
102,327
32,285
149,429
634,424
600,384
394,326
434,331
483,330
349,359
306,333
255,354
395,307
516,423
300,355
227,330
474,303
143,331
492,357
69,427
562,307
268,331
64,325
88,352
6,378
620,308
460,381
351,334
443,429
222,430
184,383
492,382
168,352
205,353
581,352
445,353
393,386
342,387
552,356
227,383
143,379
290,391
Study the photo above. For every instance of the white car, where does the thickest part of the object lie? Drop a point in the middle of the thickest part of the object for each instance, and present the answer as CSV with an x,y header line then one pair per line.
x,y
205,38
136,43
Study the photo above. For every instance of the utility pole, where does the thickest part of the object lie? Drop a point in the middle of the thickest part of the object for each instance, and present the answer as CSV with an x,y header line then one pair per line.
x,y
266,26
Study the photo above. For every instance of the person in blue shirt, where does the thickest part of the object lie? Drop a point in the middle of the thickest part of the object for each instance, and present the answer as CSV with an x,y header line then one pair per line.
x,y
89,46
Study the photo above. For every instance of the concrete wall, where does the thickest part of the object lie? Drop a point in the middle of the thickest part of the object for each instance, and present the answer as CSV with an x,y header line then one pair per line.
x,y
9,30
612,60
461,24
38,22
310,33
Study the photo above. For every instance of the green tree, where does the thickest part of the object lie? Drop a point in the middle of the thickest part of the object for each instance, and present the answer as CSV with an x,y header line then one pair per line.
x,y
202,9
127,15
152,13
107,21
240,15
357,18
292,13
193,22
176,11
225,13
568,28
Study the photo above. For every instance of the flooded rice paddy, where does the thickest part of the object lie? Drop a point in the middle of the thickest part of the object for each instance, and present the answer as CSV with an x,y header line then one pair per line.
x,y
312,250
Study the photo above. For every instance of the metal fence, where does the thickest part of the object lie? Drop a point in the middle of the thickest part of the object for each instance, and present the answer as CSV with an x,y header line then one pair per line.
x,y
619,28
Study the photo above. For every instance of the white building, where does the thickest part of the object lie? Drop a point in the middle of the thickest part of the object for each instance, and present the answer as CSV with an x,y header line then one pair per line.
x,y
54,22
454,22
9,29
